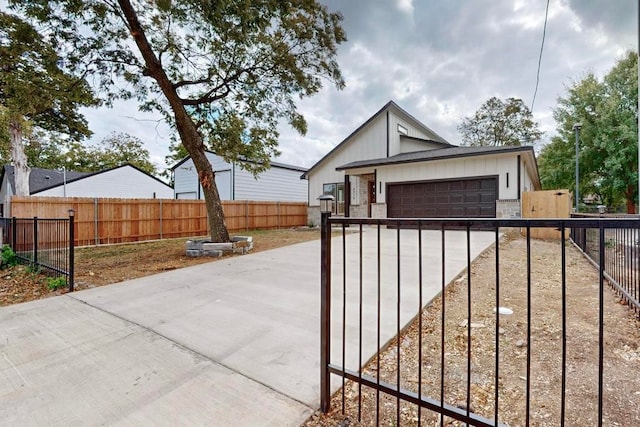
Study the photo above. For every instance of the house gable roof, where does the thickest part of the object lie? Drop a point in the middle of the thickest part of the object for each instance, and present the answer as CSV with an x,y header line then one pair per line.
x,y
43,179
46,179
391,105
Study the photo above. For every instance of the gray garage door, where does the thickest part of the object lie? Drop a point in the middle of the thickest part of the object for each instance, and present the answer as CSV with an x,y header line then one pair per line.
x,y
463,198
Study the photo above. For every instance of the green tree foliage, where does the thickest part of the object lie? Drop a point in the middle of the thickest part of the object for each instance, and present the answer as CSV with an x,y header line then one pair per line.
x,y
500,123
608,111
55,152
223,73
118,149
36,90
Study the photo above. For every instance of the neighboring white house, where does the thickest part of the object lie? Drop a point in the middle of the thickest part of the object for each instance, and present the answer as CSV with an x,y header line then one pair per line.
x,y
125,181
278,183
394,166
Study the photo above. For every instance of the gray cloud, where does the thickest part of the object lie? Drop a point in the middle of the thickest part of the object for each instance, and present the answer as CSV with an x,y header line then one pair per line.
x,y
441,59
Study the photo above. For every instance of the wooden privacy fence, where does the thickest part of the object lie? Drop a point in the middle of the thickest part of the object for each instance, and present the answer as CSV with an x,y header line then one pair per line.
x,y
104,221
548,204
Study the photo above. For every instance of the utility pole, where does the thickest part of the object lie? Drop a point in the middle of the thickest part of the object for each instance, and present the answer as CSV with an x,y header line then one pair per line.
x,y
576,194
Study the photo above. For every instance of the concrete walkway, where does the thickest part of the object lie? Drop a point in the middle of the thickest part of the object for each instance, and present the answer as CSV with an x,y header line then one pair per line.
x,y
232,342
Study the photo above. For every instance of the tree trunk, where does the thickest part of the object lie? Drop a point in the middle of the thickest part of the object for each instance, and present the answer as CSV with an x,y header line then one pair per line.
x,y
187,129
20,166
631,206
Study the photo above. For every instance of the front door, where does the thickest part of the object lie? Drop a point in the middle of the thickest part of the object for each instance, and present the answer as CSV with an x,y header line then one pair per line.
x,y
371,193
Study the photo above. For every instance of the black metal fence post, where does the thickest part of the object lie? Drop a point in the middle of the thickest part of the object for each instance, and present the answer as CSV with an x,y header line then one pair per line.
x,y
71,248
325,311
14,233
35,241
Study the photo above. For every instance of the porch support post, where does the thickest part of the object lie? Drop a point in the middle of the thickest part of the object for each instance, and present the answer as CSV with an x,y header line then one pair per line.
x,y
347,196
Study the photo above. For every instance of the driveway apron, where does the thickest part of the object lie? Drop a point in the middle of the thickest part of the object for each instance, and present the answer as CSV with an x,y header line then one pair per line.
x,y
231,342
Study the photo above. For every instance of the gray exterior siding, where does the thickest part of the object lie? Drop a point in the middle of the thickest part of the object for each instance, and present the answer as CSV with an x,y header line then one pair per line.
x,y
275,184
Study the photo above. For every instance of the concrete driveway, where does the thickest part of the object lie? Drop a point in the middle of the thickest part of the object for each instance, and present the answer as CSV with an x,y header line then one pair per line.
x,y
232,342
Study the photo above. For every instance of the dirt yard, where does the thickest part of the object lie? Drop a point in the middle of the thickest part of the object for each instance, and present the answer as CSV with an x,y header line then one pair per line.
x,y
621,388
103,265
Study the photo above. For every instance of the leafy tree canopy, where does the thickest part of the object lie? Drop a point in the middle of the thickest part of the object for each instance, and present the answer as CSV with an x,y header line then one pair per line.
x,y
500,123
223,73
55,152
33,85
607,109
35,91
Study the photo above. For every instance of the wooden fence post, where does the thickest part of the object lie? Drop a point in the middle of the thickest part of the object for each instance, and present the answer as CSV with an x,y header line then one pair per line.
x,y
246,215
95,221
161,225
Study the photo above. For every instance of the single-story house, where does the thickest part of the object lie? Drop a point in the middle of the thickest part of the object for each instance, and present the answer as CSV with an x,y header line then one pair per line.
x,y
395,166
126,181
279,183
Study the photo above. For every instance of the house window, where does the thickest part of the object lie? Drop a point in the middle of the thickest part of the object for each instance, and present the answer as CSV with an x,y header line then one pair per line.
x,y
337,191
403,130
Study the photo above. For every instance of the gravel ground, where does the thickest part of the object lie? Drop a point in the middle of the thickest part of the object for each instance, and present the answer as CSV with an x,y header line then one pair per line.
x,y
621,388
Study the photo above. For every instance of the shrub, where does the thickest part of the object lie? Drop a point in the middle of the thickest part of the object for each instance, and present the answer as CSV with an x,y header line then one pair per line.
x,y
8,257
55,283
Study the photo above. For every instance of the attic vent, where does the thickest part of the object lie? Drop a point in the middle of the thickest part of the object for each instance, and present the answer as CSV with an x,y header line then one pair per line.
x,y
47,177
403,130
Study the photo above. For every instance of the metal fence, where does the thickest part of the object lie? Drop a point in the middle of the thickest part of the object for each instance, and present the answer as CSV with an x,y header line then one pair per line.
x,y
621,254
374,289
46,244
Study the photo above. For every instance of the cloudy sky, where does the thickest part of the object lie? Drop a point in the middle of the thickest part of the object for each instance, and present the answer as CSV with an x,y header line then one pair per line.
x,y
439,60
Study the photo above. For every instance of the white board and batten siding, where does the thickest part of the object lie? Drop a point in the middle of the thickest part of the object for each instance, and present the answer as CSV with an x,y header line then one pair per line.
x,y
124,182
369,142
279,183
466,167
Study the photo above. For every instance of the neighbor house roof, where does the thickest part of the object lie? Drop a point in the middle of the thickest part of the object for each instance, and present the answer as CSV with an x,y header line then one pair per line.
x,y
273,164
435,154
386,107
43,179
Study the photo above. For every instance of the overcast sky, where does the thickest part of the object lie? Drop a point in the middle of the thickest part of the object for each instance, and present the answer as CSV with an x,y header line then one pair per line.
x,y
440,60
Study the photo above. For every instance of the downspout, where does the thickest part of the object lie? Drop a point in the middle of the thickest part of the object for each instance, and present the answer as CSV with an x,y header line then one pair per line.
x,y
519,178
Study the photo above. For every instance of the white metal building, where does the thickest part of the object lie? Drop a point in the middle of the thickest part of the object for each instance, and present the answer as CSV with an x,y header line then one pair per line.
x,y
395,166
278,183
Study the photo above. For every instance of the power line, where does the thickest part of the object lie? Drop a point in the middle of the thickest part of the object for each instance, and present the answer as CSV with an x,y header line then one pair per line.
x,y
544,33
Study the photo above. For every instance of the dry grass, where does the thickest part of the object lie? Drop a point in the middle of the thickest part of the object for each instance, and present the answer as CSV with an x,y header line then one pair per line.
x,y
621,348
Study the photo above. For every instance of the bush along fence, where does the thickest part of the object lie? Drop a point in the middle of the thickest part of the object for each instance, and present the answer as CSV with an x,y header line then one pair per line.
x,y
105,221
44,244
542,343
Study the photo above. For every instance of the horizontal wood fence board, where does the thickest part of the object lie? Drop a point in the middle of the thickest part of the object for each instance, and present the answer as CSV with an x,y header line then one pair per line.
x,y
107,221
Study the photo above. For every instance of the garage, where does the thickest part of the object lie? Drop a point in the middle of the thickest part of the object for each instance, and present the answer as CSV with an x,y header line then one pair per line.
x,y
460,198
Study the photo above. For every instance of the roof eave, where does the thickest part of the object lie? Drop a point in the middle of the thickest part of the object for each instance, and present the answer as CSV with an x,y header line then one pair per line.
x,y
385,161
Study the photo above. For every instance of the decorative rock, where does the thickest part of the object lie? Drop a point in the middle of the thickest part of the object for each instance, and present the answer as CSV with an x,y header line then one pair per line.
x,y
225,247
238,245
504,310
521,343
215,253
